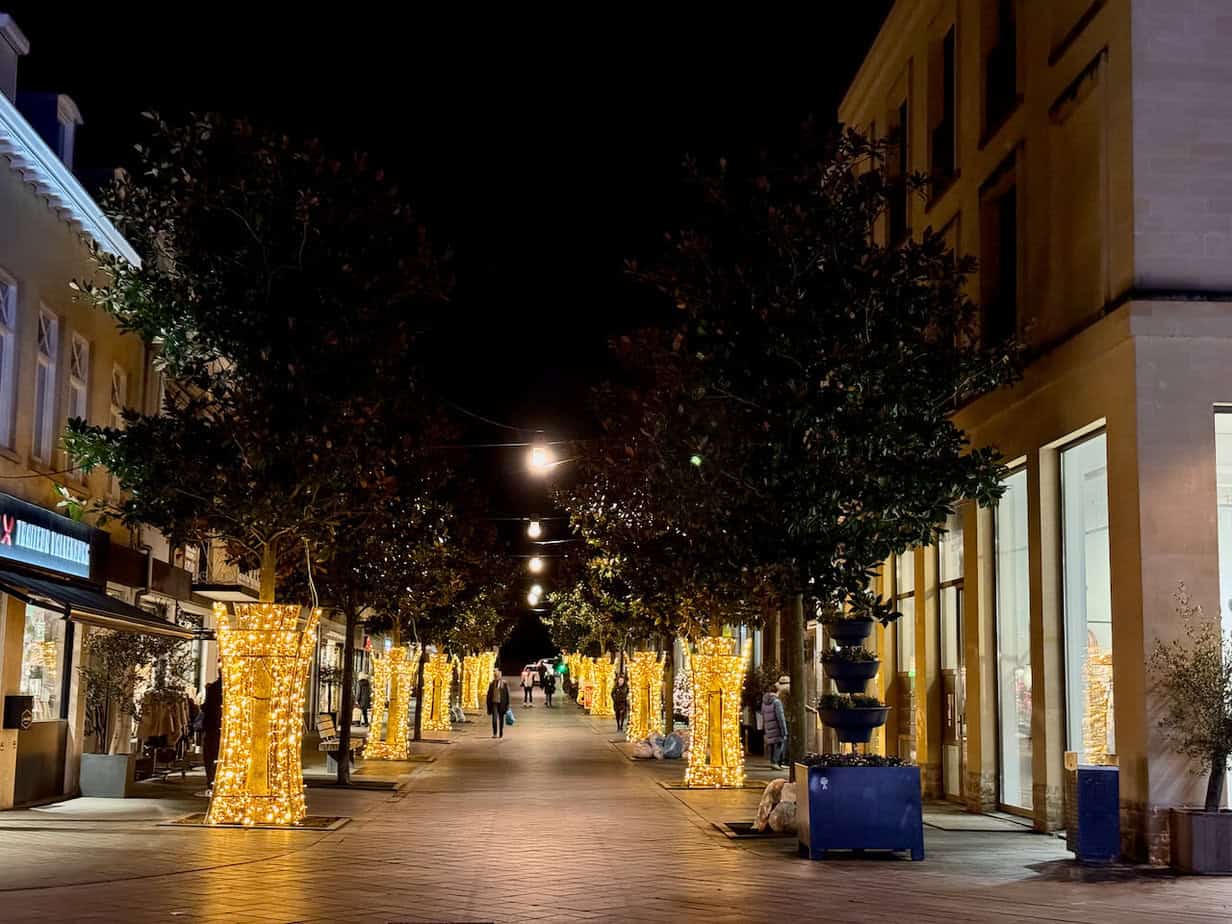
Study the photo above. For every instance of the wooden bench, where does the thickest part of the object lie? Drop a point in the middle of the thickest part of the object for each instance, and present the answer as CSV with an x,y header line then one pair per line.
x,y
329,742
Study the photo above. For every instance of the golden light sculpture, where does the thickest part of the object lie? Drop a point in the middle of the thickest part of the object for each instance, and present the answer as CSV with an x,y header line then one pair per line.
x,y
393,678
717,672
586,671
605,678
645,694
1097,723
471,681
438,678
266,650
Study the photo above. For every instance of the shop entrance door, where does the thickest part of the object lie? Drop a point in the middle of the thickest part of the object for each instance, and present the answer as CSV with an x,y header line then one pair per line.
x,y
953,690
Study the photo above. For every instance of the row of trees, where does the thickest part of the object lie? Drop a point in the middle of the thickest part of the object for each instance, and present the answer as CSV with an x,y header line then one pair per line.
x,y
285,293
788,428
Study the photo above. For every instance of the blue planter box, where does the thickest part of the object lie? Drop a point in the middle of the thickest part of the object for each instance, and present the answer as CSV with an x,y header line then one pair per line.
x,y
859,808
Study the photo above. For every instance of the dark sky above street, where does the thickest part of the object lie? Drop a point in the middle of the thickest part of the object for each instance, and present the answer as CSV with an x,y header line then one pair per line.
x,y
542,147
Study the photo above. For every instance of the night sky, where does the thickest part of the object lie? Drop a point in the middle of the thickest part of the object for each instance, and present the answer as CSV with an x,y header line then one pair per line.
x,y
543,149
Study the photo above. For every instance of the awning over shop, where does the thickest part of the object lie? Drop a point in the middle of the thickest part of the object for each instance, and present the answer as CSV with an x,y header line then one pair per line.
x,y
86,605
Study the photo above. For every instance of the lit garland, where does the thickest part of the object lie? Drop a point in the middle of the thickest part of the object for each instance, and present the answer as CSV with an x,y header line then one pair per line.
x,y
1097,721
586,673
604,673
715,755
392,679
487,664
645,694
438,677
265,653
470,681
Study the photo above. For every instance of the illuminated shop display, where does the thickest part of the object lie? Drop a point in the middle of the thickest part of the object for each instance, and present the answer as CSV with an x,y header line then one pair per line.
x,y
717,672
438,678
604,674
393,676
471,681
645,694
266,650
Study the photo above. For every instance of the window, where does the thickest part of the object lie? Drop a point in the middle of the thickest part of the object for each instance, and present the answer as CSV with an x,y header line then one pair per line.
x,y
8,358
45,387
42,661
1000,62
1088,600
943,107
79,381
950,576
115,415
1013,601
904,602
999,255
898,166
1223,501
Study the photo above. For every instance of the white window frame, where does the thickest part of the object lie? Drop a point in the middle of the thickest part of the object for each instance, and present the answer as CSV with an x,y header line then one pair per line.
x,y
47,356
8,357
78,384
118,400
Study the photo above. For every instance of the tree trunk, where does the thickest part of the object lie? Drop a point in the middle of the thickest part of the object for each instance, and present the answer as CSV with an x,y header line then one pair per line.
x,y
347,705
419,685
1214,785
796,713
669,684
269,573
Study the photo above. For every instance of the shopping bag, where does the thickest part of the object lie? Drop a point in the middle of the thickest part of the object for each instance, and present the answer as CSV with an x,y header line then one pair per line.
x,y
509,719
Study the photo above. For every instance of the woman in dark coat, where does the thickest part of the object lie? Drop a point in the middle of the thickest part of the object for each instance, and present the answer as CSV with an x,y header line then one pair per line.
x,y
620,701
364,698
498,704
211,727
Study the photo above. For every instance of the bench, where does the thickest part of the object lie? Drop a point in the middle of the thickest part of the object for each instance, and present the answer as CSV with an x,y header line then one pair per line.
x,y
328,732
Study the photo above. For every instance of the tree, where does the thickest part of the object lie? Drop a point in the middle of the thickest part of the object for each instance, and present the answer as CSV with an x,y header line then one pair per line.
x,y
283,287
1193,677
796,427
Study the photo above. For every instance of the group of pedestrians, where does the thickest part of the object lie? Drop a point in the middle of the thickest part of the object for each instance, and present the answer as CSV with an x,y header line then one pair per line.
x,y
546,679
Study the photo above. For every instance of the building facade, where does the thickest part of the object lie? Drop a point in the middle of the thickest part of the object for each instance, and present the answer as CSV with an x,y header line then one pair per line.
x,y
60,578
1081,150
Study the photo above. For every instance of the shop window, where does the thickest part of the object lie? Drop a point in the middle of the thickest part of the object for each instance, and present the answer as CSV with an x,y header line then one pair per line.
x,y
950,576
1223,501
1089,700
943,96
1000,62
1013,600
904,602
42,662
8,358
45,387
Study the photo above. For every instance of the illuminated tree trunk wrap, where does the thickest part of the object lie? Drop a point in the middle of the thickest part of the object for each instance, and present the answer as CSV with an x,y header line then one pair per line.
x,y
717,673
604,678
645,694
393,675
438,679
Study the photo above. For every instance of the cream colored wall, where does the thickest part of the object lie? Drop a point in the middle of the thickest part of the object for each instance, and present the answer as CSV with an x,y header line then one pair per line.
x,y
43,254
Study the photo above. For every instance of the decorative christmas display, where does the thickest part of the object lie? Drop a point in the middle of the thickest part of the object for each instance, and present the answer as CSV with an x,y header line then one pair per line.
x,y
715,756
604,674
438,677
586,675
487,664
266,650
682,695
393,676
471,681
645,694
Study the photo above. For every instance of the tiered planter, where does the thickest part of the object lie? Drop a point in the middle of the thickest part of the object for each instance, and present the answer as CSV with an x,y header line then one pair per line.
x,y
857,807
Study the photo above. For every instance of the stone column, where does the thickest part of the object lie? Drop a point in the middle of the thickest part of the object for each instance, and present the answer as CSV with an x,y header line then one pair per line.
x,y
927,673
980,657
1047,639
12,631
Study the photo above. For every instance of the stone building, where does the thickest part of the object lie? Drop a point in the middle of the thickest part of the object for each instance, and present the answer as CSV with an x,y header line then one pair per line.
x,y
1082,151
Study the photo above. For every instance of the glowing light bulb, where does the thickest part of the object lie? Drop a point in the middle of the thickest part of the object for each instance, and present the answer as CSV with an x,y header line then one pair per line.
x,y
534,530
535,565
532,598
541,459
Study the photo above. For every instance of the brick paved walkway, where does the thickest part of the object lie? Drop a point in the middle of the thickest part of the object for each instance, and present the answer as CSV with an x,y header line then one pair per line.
x,y
553,822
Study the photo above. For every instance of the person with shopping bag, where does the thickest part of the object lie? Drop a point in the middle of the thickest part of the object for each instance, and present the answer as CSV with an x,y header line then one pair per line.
x,y
497,703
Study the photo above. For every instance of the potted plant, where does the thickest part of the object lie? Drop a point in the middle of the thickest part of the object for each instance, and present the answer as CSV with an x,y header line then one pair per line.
x,y
116,665
858,802
853,624
850,668
853,716
1192,677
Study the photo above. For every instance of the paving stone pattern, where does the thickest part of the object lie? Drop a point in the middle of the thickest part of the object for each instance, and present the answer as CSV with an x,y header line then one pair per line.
x,y
553,822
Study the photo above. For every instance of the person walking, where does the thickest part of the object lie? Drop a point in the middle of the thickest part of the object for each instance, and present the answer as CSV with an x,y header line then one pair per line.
x,y
528,688
497,703
549,687
363,698
211,728
774,723
620,701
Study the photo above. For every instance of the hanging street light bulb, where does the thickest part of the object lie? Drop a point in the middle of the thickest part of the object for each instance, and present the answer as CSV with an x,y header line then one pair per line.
x,y
541,460
535,565
537,590
534,530
532,598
